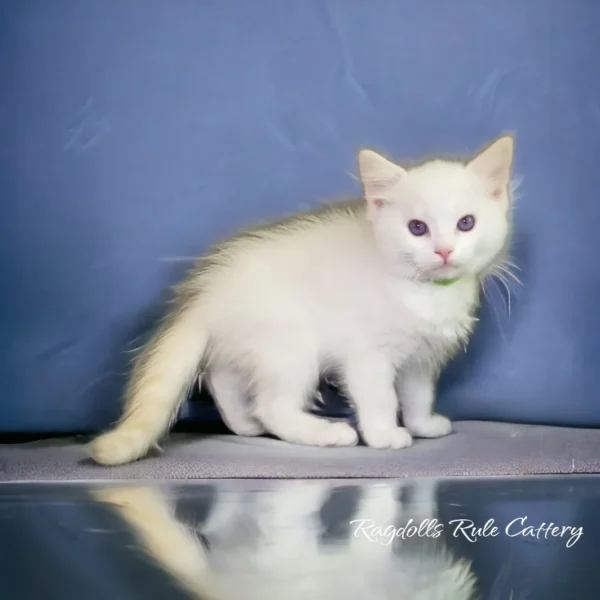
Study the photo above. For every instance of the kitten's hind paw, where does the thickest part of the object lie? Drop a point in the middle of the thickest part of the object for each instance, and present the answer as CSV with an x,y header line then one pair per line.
x,y
339,434
246,428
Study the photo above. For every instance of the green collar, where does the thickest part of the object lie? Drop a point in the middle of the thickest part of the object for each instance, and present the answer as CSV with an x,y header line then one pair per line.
x,y
445,282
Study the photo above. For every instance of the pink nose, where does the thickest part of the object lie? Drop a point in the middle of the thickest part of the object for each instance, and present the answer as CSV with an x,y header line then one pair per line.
x,y
444,253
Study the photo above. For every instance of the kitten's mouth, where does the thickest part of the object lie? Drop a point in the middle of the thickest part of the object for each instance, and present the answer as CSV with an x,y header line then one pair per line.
x,y
445,268
445,271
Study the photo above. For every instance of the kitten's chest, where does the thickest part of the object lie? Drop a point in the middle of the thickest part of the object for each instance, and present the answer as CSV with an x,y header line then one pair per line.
x,y
437,317
436,307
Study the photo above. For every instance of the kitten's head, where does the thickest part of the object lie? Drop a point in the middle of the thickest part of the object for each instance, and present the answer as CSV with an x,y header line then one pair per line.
x,y
442,219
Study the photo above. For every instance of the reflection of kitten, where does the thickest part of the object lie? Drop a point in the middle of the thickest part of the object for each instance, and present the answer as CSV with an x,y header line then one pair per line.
x,y
270,545
377,291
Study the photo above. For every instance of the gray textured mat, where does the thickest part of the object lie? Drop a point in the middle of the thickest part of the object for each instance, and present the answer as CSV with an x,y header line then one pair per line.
x,y
476,448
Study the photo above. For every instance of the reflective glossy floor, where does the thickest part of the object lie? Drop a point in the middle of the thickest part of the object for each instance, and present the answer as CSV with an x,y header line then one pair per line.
x,y
505,539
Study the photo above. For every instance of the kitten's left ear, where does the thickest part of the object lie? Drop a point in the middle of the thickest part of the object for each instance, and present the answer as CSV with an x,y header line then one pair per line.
x,y
494,163
378,176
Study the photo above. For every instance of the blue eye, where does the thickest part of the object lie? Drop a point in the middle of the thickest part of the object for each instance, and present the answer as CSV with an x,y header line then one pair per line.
x,y
466,223
417,227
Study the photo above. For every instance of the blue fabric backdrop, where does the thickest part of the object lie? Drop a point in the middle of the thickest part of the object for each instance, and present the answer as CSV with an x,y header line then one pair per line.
x,y
135,132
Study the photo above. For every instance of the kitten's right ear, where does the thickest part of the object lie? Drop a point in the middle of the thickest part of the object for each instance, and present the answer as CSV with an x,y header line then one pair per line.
x,y
378,176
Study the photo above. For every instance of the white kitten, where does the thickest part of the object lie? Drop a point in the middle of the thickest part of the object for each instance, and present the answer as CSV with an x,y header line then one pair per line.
x,y
382,291
269,544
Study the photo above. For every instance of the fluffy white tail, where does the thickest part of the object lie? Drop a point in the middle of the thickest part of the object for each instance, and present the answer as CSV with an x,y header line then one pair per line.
x,y
172,545
159,383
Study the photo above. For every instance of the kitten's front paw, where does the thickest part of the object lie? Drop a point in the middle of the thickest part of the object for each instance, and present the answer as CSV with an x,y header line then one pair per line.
x,y
389,437
434,426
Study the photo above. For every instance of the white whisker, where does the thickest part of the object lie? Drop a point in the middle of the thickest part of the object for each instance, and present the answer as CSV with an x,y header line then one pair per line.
x,y
512,265
510,274
503,281
492,305
493,277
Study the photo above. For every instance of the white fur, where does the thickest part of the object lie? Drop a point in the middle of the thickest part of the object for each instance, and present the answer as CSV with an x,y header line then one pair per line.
x,y
347,289
269,545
